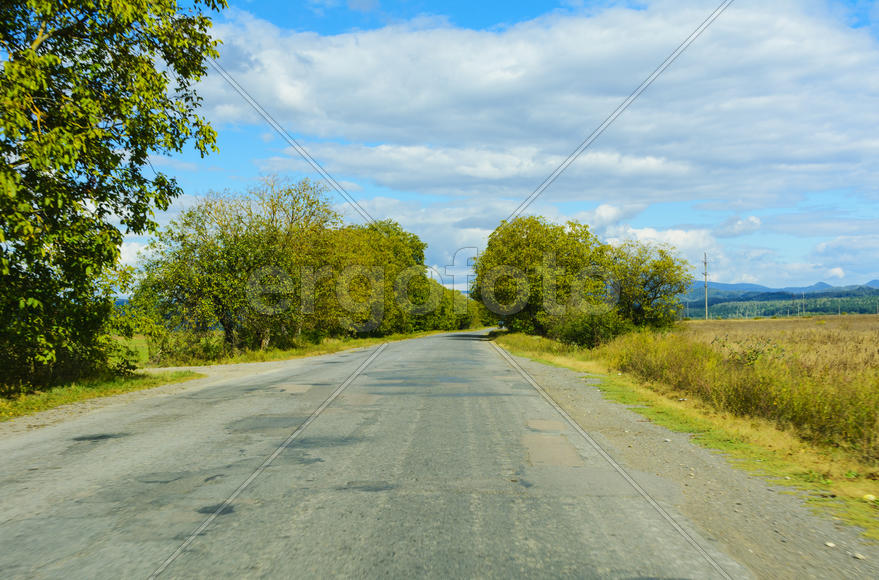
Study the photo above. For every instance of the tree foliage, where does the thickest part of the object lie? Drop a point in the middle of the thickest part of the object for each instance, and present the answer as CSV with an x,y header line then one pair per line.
x,y
276,267
88,91
646,282
532,266
560,280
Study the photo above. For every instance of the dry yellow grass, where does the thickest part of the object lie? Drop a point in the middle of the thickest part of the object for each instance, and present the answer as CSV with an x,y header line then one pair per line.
x,y
847,344
816,376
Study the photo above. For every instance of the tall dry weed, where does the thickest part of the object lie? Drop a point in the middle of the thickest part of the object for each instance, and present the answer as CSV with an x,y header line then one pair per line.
x,y
819,377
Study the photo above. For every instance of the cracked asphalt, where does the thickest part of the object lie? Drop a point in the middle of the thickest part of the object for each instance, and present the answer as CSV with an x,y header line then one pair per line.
x,y
438,460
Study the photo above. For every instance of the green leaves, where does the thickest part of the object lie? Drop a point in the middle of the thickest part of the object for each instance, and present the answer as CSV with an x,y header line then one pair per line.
x,y
646,281
29,303
88,90
276,267
546,278
532,266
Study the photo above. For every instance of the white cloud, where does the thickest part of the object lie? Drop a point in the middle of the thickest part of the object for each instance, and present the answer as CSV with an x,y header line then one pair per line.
x,y
466,170
739,226
746,279
836,273
606,215
856,253
164,161
775,101
689,241
131,251
754,103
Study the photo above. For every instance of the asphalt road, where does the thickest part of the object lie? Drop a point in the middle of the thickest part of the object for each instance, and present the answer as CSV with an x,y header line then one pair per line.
x,y
438,459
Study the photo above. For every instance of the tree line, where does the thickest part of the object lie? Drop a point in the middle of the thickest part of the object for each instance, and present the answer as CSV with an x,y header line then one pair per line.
x,y
277,267
795,307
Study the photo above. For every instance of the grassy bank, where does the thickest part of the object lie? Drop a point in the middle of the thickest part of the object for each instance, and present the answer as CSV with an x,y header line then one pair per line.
x,y
16,405
837,478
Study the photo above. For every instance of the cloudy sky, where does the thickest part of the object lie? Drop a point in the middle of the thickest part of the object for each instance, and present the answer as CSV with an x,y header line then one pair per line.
x,y
759,145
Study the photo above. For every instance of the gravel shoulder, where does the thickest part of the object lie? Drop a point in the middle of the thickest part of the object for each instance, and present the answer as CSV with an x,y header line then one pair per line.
x,y
767,528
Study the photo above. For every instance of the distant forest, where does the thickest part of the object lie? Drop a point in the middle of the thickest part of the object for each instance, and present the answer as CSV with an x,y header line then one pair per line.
x,y
726,301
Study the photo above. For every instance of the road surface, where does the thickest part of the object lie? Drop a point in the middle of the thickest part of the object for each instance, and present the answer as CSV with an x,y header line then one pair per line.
x,y
436,458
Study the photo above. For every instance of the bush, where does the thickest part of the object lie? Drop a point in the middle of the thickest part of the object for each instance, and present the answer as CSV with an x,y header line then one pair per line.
x,y
186,347
591,326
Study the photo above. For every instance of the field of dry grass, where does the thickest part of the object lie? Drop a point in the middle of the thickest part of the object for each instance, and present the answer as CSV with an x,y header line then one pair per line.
x,y
817,376
846,343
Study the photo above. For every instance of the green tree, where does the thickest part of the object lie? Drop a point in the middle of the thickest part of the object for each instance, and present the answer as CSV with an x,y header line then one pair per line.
x,y
275,267
88,91
380,268
561,281
646,282
532,267
235,263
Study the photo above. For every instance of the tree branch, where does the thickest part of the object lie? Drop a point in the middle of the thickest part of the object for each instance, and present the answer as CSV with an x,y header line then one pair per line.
x,y
43,36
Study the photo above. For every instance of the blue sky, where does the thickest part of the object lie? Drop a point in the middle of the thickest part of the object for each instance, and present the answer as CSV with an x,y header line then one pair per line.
x,y
757,146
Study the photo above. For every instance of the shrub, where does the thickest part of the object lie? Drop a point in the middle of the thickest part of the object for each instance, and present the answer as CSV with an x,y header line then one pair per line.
x,y
590,326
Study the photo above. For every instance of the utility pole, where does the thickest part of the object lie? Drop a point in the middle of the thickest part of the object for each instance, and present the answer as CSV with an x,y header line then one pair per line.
x,y
705,262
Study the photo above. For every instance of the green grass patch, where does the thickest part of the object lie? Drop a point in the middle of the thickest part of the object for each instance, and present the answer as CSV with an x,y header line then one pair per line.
x,y
138,344
831,479
25,404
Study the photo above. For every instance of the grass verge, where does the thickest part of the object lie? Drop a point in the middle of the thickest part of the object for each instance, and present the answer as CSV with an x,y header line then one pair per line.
x,y
27,404
831,480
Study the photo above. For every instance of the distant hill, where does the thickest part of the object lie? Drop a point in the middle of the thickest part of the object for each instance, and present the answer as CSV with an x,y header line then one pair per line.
x,y
736,300
730,287
819,287
729,290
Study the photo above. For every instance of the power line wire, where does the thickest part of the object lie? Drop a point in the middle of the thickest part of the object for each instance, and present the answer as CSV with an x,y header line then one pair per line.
x,y
619,110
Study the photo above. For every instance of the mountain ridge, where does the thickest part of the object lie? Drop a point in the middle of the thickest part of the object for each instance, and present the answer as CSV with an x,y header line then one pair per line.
x,y
746,288
744,300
